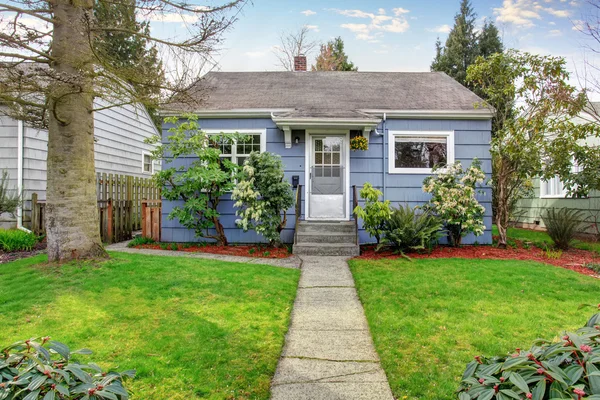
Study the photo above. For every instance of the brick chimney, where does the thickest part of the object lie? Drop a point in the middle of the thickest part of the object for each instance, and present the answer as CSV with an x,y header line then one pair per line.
x,y
300,63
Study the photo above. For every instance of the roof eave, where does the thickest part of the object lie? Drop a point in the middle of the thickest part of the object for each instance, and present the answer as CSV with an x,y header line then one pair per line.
x,y
481,113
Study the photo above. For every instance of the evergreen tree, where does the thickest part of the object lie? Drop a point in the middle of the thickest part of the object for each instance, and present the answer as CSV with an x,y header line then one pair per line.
x,y
333,57
130,53
489,40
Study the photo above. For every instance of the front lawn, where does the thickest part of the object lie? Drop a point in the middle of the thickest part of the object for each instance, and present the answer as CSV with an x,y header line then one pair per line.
x,y
539,238
192,328
430,317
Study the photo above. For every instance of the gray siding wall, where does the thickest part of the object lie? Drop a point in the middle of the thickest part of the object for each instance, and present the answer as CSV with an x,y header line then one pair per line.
x,y
8,158
472,139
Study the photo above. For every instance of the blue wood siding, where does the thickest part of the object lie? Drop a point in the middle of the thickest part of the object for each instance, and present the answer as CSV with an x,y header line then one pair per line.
x,y
472,139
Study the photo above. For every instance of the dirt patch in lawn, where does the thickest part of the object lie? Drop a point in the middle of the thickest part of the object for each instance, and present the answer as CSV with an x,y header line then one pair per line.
x,y
6,257
242,251
573,259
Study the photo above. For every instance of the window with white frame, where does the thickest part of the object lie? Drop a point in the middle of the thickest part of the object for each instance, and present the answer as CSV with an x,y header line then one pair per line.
x,y
553,187
147,163
238,150
419,152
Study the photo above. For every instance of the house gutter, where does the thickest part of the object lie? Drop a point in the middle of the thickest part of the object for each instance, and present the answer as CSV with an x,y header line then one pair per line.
x,y
20,136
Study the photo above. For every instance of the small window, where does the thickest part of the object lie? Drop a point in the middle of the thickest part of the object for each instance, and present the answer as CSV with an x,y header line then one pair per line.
x,y
419,152
238,151
552,188
147,164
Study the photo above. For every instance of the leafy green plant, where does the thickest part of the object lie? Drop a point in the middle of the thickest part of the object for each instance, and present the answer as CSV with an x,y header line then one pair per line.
x,y
453,191
266,253
263,196
43,369
17,240
553,254
9,198
252,250
200,185
164,246
594,266
562,225
375,213
140,240
174,246
568,368
409,229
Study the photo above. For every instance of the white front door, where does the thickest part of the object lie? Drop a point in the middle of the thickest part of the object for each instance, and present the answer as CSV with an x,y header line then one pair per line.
x,y
327,177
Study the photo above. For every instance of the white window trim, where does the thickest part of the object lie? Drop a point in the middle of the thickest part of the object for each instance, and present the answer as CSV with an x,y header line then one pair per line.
x,y
391,147
563,194
261,132
144,154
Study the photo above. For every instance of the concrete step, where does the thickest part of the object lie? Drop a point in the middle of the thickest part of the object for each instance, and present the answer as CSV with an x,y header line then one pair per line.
x,y
326,249
326,237
326,227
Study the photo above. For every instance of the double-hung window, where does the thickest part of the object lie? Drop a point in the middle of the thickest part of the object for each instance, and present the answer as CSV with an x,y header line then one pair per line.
x,y
147,163
237,151
419,152
553,187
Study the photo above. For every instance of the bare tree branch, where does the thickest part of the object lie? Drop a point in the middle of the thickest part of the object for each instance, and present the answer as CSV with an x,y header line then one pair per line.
x,y
293,44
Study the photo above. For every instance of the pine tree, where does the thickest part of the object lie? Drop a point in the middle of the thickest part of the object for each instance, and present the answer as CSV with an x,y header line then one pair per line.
x,y
332,57
489,40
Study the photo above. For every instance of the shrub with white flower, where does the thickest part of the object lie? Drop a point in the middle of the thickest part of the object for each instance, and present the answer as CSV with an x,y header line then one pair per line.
x,y
453,191
262,196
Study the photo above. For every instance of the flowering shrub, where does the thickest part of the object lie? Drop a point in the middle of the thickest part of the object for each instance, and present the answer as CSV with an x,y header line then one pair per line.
x,y
375,213
359,143
263,196
43,369
453,199
565,369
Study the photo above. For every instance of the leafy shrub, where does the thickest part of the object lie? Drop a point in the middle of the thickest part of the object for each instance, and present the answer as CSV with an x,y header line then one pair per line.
x,y
174,246
408,229
43,369
9,198
375,212
453,199
553,254
562,225
17,240
594,266
140,240
563,369
263,196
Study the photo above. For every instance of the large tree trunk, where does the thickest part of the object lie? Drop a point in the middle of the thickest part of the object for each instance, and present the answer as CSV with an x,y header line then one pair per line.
x,y
72,214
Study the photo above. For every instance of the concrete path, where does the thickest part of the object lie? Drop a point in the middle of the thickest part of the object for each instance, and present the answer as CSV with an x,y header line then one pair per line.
x,y
290,262
328,351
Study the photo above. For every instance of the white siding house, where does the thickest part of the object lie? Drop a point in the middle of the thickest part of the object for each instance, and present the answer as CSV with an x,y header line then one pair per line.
x,y
119,149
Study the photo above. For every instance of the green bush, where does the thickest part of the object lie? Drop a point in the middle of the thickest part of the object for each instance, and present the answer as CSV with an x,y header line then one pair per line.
x,y
562,225
17,240
140,240
43,369
409,229
375,212
565,369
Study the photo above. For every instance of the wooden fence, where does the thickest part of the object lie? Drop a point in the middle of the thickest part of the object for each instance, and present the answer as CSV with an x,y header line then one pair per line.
x,y
120,200
151,216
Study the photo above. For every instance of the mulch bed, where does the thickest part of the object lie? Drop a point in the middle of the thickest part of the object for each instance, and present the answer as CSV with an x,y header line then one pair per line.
x,y
573,259
232,250
8,257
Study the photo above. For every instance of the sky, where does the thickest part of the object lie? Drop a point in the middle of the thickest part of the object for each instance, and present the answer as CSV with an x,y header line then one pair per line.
x,y
400,35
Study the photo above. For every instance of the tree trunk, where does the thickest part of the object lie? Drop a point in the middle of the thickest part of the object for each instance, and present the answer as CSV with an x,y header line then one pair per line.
x,y
72,223
502,209
221,238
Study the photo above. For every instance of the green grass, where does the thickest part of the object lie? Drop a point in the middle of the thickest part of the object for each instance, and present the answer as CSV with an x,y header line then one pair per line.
x,y
539,238
430,317
191,328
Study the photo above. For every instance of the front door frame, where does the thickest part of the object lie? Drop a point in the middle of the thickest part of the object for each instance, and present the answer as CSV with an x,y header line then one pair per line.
x,y
307,162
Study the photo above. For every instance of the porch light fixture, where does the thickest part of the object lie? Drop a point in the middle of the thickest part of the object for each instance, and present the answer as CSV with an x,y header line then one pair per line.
x,y
297,139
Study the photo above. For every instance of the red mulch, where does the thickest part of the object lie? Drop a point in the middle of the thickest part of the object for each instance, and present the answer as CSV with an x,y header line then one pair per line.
x,y
233,250
572,259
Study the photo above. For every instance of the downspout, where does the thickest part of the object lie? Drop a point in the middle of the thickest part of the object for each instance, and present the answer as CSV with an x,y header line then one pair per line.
x,y
20,135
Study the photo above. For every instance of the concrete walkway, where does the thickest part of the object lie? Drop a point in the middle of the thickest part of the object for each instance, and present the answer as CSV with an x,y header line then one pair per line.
x,y
328,351
290,262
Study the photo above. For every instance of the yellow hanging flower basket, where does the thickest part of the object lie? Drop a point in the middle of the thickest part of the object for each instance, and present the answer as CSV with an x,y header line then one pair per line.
x,y
359,143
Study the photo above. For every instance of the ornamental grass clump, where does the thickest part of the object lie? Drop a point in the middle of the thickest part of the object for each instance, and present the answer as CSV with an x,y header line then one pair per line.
x,y
568,368
454,201
46,370
17,240
562,225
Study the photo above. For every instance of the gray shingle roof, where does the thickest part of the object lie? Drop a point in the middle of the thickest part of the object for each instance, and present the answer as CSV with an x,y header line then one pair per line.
x,y
331,94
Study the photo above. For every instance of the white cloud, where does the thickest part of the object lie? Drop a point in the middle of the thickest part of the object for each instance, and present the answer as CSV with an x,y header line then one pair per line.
x,y
441,29
524,13
312,27
578,25
400,11
555,32
308,13
379,23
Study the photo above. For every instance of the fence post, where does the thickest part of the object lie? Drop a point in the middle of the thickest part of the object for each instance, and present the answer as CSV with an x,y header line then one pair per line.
x,y
109,217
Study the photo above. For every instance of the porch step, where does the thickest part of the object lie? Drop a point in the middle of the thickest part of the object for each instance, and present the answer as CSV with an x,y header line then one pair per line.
x,y
328,238
326,249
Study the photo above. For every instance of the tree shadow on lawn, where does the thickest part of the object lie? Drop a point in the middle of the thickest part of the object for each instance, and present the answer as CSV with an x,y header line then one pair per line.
x,y
192,328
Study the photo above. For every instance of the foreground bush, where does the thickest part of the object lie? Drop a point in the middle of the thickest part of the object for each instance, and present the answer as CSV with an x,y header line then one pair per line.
x,y
409,229
43,369
375,212
564,369
562,225
17,240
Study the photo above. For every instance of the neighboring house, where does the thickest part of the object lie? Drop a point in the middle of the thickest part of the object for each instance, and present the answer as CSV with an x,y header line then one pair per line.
x,y
308,119
551,193
119,134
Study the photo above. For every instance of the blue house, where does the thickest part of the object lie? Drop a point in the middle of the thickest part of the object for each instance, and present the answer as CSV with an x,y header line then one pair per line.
x,y
412,121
